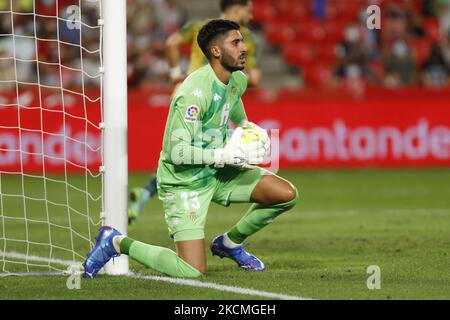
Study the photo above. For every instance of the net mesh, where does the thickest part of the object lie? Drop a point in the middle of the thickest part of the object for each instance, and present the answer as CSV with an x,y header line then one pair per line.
x,y
50,132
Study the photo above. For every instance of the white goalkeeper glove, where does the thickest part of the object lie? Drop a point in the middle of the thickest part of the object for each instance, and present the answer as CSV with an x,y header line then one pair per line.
x,y
239,154
261,132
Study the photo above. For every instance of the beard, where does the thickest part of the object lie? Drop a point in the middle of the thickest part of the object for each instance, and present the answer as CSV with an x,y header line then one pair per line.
x,y
229,63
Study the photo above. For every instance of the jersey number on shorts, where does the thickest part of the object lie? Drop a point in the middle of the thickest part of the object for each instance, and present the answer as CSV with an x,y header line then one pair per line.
x,y
190,200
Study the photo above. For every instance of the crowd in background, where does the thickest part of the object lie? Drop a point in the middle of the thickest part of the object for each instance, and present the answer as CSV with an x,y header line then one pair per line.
x,y
391,57
149,25
42,43
412,48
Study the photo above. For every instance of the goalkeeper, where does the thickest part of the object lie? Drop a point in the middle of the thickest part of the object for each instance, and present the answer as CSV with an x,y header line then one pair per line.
x,y
198,164
239,11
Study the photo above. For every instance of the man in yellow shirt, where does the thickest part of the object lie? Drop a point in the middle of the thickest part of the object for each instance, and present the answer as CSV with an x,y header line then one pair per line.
x,y
239,11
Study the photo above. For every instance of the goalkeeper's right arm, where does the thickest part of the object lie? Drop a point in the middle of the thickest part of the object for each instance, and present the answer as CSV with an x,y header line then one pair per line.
x,y
173,44
235,153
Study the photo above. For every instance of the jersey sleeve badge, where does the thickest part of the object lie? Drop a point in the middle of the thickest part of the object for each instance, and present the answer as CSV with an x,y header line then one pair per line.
x,y
191,114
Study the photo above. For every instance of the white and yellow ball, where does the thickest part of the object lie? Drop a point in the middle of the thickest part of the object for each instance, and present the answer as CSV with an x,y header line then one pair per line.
x,y
250,135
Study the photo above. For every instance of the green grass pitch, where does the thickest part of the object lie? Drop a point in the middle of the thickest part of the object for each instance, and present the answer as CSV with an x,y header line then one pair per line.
x,y
346,221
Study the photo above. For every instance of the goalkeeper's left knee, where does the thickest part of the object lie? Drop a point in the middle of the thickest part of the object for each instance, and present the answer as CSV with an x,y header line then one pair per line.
x,y
292,199
288,200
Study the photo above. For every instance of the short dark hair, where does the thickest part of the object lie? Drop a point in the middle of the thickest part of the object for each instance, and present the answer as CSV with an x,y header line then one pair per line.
x,y
211,30
225,4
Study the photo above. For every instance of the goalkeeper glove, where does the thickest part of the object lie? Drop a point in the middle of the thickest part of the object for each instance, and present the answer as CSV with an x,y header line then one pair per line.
x,y
239,154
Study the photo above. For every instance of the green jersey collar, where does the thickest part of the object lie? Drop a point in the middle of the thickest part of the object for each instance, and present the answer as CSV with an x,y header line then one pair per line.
x,y
221,84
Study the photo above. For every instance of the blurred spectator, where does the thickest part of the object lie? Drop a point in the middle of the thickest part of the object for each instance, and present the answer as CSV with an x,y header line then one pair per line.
x,y
352,58
395,26
436,68
149,25
399,65
320,8
429,8
444,16
446,49
6,68
370,38
398,55
414,21
170,15
354,52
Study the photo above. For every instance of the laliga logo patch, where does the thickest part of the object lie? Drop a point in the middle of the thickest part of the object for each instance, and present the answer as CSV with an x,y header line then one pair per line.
x,y
191,113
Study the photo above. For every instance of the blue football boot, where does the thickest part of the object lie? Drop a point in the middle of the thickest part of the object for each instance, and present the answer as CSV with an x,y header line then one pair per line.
x,y
102,252
244,259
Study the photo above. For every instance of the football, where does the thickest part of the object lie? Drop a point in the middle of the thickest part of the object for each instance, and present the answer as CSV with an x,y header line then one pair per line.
x,y
250,135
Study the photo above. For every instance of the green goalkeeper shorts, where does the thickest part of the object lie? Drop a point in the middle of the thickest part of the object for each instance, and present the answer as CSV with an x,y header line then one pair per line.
x,y
186,208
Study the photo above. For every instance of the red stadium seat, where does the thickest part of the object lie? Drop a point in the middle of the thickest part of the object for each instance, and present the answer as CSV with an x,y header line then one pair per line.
x,y
263,11
318,75
418,5
421,49
299,53
312,30
433,29
327,52
335,30
331,12
279,32
293,11
348,10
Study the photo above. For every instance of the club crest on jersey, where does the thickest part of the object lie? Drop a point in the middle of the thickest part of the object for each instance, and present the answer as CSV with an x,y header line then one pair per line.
x,y
233,90
191,113
192,216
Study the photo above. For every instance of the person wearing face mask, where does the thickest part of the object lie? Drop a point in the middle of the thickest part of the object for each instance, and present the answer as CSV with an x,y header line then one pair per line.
x,y
352,64
399,65
435,70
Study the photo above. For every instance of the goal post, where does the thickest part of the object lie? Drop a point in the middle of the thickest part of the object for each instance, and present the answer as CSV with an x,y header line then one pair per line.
x,y
63,132
115,122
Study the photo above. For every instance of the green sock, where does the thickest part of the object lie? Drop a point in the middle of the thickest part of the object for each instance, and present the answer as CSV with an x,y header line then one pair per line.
x,y
125,245
257,217
158,258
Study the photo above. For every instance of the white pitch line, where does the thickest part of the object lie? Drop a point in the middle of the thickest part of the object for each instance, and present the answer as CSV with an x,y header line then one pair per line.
x,y
374,211
177,281
21,256
219,287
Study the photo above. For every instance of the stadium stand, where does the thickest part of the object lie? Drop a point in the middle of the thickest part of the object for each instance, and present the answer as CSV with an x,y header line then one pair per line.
x,y
325,40
330,46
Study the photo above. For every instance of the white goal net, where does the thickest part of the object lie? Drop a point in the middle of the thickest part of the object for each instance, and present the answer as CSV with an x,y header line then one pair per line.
x,y
51,115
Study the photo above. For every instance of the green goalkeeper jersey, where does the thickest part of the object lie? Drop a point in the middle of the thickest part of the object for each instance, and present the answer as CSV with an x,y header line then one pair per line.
x,y
197,124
